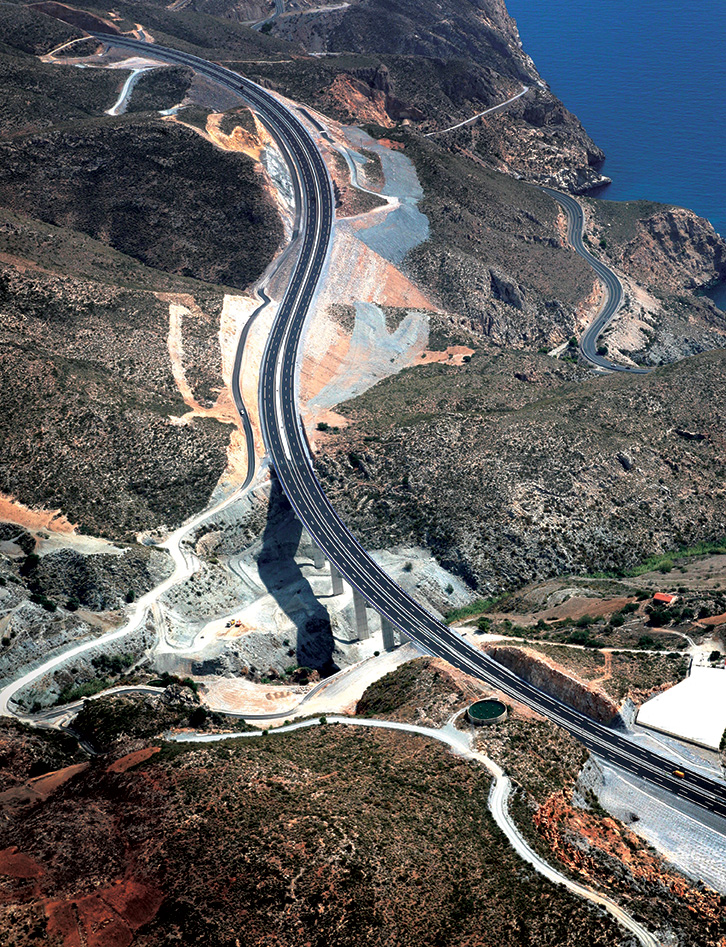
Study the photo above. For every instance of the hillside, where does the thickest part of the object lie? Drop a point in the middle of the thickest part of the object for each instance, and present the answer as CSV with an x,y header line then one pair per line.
x,y
510,468
327,836
103,222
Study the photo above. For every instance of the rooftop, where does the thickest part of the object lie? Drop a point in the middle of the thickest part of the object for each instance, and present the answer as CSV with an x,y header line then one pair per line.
x,y
694,710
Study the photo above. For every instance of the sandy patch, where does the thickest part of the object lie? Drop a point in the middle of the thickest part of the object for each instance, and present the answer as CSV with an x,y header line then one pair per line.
x,y
240,140
453,355
357,274
125,763
238,695
236,311
12,511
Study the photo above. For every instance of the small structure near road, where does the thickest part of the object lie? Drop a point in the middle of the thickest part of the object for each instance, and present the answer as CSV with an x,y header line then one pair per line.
x,y
484,713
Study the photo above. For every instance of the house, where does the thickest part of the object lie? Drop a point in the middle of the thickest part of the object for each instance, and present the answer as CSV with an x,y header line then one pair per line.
x,y
664,598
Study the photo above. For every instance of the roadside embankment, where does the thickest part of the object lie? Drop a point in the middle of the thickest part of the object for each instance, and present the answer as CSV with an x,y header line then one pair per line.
x,y
539,672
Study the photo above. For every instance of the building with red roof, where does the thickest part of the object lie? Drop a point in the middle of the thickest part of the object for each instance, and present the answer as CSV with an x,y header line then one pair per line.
x,y
664,598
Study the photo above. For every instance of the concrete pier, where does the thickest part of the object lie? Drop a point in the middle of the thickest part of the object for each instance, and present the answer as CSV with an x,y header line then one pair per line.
x,y
318,557
337,580
388,630
361,616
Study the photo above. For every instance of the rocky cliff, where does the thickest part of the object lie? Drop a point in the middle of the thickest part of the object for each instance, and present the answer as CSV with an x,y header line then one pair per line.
x,y
436,64
665,248
543,674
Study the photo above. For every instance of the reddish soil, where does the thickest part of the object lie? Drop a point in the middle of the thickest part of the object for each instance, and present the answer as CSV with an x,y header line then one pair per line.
x,y
607,843
15,864
39,788
574,608
387,143
63,923
11,511
453,355
106,918
366,106
125,763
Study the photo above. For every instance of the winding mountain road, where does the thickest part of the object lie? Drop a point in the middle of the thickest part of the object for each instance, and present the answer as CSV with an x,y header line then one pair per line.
x,y
288,448
613,287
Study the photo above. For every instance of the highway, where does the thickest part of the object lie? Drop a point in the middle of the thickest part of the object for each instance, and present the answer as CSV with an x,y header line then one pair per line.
x,y
613,287
289,452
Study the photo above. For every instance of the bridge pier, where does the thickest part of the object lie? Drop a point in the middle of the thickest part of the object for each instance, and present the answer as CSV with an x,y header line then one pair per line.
x,y
318,557
361,616
388,630
337,580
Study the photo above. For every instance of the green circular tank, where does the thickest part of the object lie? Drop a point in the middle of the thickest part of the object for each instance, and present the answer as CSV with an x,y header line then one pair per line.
x,y
484,713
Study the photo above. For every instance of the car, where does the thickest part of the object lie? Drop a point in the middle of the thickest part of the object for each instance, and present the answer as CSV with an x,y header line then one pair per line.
x,y
679,773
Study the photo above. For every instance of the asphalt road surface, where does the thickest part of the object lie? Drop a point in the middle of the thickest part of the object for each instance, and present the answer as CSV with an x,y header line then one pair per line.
x,y
289,451
613,287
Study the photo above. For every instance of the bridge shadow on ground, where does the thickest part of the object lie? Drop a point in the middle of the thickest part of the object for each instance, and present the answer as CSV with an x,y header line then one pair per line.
x,y
284,580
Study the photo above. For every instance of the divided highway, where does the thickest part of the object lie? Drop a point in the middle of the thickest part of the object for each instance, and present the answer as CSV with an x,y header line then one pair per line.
x,y
289,451
613,286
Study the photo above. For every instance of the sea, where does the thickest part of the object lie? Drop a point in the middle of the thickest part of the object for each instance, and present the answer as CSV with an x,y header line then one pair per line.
x,y
647,79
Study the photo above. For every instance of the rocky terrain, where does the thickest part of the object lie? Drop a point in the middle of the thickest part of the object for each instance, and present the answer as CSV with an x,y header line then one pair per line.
x,y
136,185
561,818
425,691
363,837
86,424
434,65
103,223
667,256
495,258
549,678
510,468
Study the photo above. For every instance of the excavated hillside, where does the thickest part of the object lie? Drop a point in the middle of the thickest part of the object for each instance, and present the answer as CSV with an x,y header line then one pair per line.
x,y
510,468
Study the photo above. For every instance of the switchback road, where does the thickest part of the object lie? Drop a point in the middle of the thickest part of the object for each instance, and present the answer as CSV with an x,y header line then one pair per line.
x,y
613,287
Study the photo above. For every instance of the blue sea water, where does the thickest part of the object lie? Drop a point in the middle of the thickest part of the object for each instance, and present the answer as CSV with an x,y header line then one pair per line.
x,y
647,78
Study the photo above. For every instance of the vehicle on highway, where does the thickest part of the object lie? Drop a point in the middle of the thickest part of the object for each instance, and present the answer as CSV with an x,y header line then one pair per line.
x,y
679,773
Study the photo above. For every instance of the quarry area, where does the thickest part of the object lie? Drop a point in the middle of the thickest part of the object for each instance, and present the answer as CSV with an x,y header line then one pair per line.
x,y
174,647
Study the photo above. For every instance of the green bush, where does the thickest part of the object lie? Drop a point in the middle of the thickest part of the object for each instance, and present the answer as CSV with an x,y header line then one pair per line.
x,y
580,636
